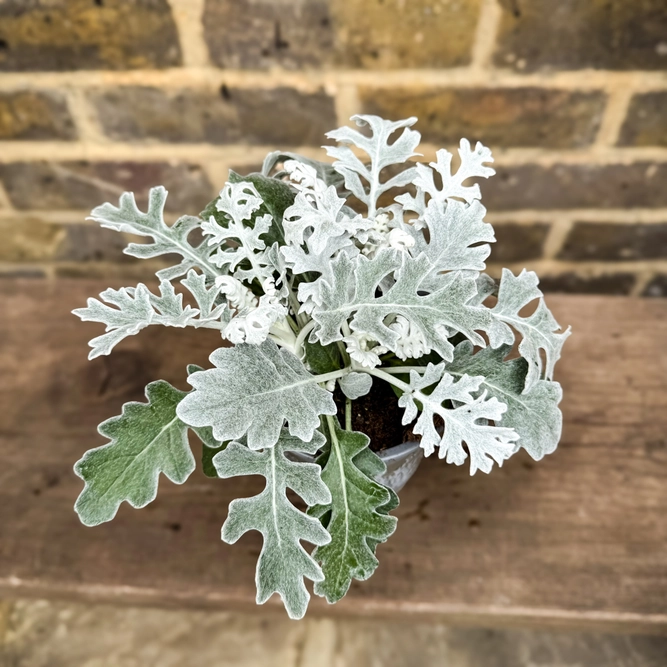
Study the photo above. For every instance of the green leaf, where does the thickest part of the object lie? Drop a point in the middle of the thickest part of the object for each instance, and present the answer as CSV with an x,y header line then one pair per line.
x,y
253,390
372,465
534,415
283,563
322,358
146,439
207,456
358,513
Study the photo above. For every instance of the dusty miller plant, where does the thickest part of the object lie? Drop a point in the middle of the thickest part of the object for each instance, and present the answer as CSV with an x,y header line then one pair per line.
x,y
309,292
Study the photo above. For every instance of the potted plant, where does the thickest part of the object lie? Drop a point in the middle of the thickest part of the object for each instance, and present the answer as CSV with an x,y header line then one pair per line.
x,y
330,283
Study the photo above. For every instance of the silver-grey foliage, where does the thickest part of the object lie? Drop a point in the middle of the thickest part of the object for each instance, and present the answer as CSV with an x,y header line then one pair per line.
x,y
283,562
323,278
255,389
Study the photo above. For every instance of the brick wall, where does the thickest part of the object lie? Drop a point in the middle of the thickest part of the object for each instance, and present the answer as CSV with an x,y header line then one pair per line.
x,y
100,96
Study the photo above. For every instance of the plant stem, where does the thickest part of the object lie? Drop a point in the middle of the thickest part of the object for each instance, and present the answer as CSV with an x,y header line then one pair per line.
x,y
348,414
292,324
334,375
387,378
403,370
343,352
302,337
294,302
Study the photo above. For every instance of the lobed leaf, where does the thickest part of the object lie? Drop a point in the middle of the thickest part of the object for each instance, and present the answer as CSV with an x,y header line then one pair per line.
x,y
128,310
166,239
283,562
352,293
358,513
467,422
472,165
364,180
276,197
321,214
458,239
253,390
538,331
146,439
534,415
246,257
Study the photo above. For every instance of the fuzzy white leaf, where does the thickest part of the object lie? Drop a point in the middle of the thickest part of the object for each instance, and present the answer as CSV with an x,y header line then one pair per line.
x,y
166,239
321,213
283,562
539,331
300,261
454,234
206,296
466,423
486,287
364,180
128,310
355,385
534,415
238,201
353,294
472,165
325,172
254,389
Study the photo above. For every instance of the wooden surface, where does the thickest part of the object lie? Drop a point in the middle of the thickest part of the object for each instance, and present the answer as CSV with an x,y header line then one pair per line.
x,y
578,539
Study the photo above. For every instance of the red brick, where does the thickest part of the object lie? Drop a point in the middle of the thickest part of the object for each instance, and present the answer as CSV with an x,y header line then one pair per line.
x,y
497,117
37,115
646,123
258,35
83,34
576,34
277,116
83,185
615,242
563,186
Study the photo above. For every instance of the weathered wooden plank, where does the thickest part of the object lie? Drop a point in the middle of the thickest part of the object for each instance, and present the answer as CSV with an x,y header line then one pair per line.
x,y
579,538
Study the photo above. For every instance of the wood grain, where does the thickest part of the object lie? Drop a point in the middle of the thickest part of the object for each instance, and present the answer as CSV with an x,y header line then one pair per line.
x,y
578,539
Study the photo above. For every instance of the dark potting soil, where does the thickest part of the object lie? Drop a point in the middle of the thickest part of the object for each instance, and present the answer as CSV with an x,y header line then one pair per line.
x,y
377,415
